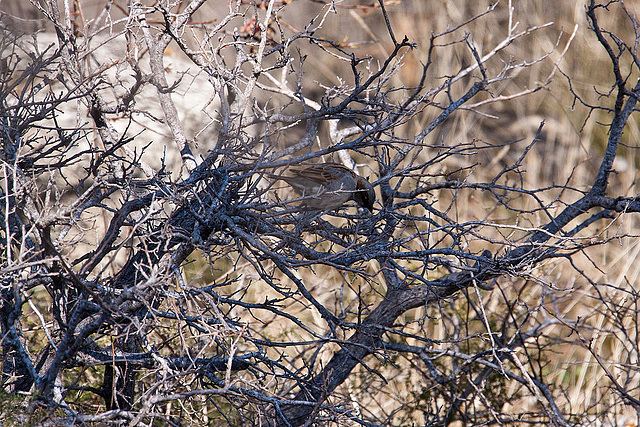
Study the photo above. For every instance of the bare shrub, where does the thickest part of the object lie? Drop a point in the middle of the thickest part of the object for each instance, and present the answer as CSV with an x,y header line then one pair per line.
x,y
156,270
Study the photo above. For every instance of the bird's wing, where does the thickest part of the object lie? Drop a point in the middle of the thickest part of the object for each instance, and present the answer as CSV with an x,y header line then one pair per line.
x,y
321,174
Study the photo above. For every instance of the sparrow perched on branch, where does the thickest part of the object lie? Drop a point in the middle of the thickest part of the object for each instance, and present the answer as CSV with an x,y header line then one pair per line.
x,y
328,186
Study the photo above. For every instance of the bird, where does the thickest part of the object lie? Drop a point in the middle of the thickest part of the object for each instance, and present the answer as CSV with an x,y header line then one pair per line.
x,y
328,186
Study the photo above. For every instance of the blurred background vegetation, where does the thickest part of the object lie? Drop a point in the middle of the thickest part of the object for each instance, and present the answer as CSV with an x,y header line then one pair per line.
x,y
568,156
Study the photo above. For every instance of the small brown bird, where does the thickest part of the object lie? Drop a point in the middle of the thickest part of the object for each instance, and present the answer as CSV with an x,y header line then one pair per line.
x,y
328,186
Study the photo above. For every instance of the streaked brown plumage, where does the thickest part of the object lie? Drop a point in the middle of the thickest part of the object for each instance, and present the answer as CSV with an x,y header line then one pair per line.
x,y
328,186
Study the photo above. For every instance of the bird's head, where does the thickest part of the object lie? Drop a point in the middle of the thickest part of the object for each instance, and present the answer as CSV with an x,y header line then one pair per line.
x,y
364,195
